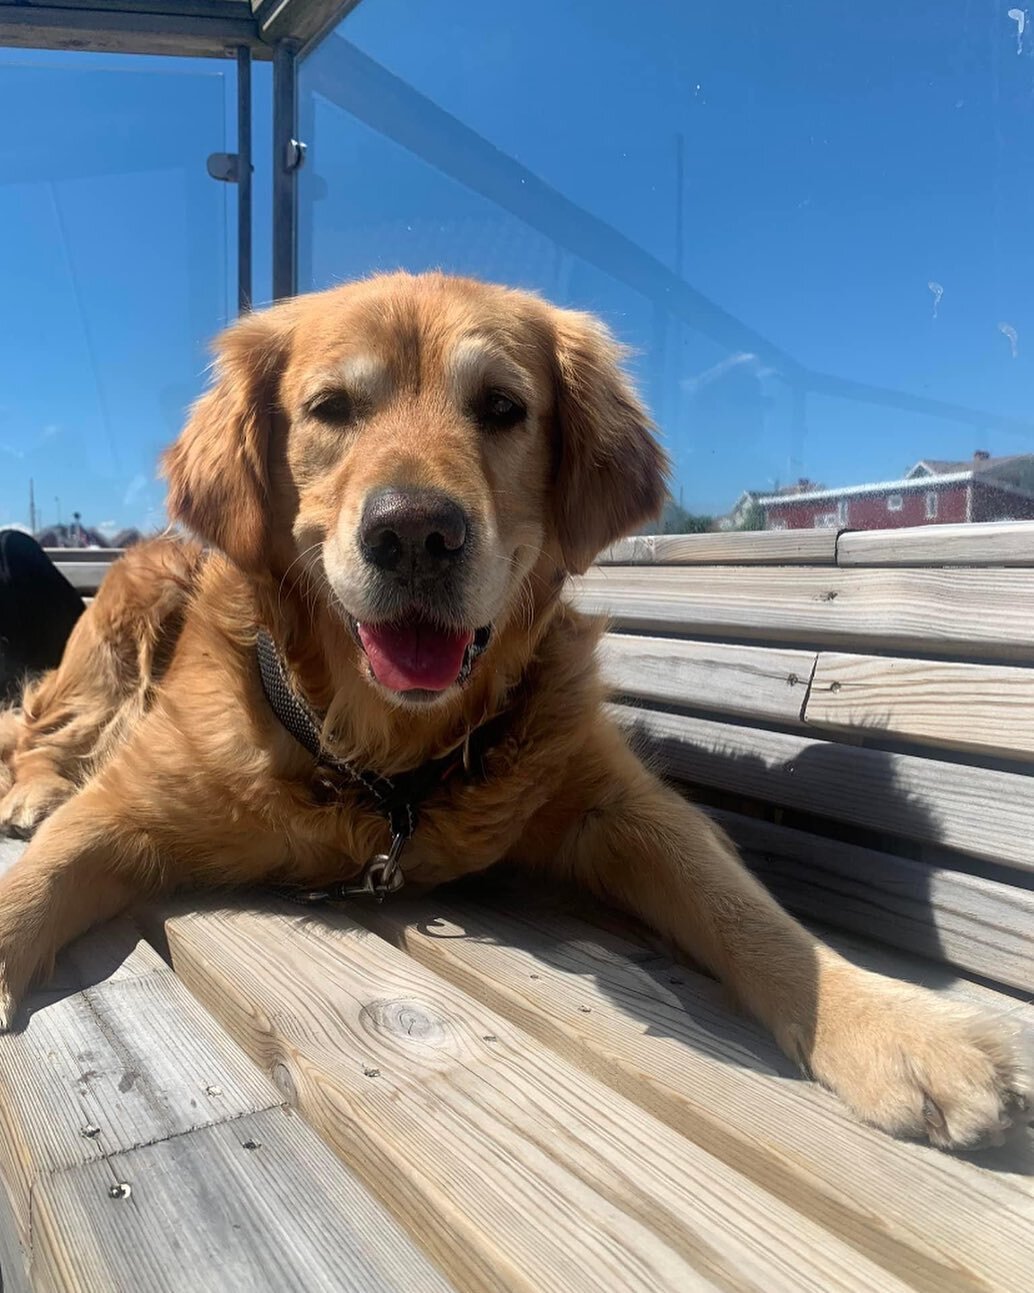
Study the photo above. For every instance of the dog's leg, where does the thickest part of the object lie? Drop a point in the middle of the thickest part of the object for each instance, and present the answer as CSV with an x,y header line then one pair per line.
x,y
900,1057
83,866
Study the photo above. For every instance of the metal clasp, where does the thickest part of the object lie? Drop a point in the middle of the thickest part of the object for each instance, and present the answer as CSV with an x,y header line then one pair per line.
x,y
382,874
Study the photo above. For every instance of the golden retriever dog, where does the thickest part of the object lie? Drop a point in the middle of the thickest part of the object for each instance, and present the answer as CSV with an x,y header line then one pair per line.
x,y
371,673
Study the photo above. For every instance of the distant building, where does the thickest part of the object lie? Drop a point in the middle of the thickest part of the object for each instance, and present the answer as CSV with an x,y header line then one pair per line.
x,y
741,515
933,491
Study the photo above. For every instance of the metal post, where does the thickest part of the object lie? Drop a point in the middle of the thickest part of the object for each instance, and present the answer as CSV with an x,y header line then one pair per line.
x,y
288,153
244,286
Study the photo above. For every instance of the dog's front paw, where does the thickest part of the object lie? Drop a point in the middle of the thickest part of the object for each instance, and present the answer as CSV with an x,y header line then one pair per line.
x,y
28,803
915,1065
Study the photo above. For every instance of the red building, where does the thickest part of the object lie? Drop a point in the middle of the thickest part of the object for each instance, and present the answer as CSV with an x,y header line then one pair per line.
x,y
933,492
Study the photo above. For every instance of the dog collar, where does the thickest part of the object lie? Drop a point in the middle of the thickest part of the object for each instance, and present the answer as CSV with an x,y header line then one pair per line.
x,y
397,798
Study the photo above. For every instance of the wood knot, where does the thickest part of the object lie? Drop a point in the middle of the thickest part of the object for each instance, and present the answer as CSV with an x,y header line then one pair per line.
x,y
407,1019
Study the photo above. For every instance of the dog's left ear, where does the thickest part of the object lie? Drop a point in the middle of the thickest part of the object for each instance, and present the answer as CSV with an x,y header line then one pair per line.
x,y
218,469
611,471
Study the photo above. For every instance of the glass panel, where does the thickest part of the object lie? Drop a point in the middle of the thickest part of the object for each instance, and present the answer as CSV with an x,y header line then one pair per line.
x,y
114,258
811,231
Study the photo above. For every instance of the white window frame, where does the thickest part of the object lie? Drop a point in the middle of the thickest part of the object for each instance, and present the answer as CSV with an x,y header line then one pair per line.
x,y
931,505
825,521
895,502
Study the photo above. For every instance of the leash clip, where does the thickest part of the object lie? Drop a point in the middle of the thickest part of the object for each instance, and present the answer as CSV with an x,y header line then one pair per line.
x,y
382,874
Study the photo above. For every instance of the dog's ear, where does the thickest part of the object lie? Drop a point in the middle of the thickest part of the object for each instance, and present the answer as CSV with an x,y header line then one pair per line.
x,y
611,471
218,469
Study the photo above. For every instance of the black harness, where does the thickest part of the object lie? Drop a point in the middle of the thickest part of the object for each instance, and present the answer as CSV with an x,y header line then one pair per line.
x,y
398,799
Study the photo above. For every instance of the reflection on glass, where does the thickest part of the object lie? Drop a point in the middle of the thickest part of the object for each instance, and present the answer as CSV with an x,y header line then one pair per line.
x,y
811,234
113,258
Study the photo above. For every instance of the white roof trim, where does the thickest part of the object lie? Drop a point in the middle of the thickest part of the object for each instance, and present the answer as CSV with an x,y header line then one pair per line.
x,y
877,487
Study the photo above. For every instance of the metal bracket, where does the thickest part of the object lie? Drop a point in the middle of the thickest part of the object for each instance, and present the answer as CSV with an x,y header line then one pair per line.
x,y
225,167
294,154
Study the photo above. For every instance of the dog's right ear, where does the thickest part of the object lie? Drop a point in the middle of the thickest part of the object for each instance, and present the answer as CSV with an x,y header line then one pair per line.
x,y
218,470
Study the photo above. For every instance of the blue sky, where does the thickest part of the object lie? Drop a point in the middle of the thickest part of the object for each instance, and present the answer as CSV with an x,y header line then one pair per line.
x,y
836,161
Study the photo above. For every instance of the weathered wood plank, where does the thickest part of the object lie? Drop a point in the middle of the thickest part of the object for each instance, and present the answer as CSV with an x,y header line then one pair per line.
x,y
976,613
975,810
999,543
116,1070
661,1035
84,576
988,709
758,682
979,925
247,1206
734,548
38,26
548,1178
76,556
137,1058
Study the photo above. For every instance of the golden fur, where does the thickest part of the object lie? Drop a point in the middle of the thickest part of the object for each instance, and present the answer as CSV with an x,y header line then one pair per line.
x,y
150,758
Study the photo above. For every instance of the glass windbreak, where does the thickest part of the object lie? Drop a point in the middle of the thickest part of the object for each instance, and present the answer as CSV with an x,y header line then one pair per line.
x,y
809,223
115,269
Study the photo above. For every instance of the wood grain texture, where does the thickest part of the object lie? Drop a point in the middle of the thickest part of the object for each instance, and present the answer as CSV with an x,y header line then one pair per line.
x,y
767,548
137,1058
967,613
248,1206
756,682
662,1035
511,1167
1000,543
975,810
979,925
120,1075
987,709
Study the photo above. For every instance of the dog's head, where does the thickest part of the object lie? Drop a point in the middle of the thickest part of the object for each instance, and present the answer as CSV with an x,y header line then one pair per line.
x,y
426,447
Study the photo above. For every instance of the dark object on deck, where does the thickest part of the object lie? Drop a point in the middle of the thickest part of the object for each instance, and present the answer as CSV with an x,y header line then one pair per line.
x,y
38,610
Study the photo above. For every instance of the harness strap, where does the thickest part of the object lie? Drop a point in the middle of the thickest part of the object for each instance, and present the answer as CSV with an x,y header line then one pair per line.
x,y
397,798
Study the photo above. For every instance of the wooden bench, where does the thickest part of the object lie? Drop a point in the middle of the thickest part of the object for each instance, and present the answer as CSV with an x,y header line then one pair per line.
x,y
483,1092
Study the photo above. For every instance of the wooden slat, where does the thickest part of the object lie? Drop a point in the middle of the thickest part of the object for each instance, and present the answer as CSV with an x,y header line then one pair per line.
x,y
250,1206
988,709
974,810
976,613
85,576
98,556
662,1035
514,1169
766,548
37,26
1001,543
980,925
759,682
111,1082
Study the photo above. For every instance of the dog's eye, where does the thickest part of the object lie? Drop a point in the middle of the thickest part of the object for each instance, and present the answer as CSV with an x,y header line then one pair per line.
x,y
497,410
337,407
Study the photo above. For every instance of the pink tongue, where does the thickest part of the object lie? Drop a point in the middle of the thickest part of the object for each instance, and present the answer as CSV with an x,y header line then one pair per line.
x,y
414,657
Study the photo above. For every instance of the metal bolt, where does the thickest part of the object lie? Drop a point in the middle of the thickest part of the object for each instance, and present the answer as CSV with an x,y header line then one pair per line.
x,y
371,1072
89,1131
122,1190
252,1144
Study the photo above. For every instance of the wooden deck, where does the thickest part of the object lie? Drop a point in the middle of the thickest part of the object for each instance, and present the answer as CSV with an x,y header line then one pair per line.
x,y
486,1089
470,1091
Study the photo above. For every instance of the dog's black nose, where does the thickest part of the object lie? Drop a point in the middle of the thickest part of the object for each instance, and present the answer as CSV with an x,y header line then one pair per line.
x,y
412,529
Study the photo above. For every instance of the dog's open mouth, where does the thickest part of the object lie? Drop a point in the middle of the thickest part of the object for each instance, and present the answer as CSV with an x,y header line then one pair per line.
x,y
417,655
